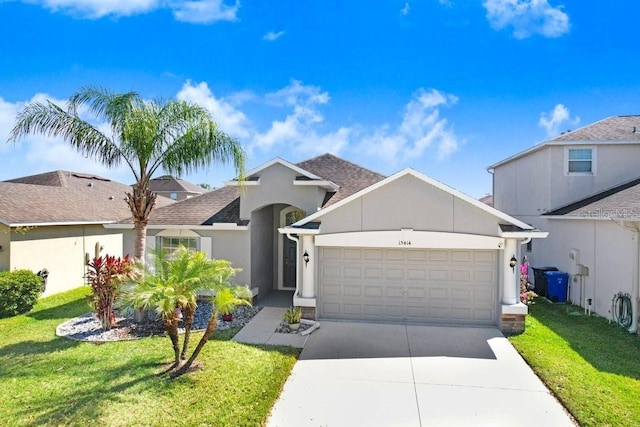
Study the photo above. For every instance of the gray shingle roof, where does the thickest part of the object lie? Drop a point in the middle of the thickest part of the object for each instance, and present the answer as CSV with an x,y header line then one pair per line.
x,y
618,128
212,206
622,201
350,177
63,197
168,183
223,205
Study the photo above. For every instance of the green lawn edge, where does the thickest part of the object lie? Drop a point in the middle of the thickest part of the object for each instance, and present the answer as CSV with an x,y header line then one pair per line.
x,y
51,381
591,366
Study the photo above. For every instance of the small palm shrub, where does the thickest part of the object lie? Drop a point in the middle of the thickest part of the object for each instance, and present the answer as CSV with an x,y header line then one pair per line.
x,y
19,291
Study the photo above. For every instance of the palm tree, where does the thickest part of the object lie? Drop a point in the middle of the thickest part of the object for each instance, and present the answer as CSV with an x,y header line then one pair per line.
x,y
172,287
175,136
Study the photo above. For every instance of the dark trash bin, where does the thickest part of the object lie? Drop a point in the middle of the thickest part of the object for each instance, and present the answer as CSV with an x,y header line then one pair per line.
x,y
557,283
540,279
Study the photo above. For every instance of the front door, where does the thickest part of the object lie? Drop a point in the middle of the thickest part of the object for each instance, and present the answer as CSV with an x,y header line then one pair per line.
x,y
290,261
289,254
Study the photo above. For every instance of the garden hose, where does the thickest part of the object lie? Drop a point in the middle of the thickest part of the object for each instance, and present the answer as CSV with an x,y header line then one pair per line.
x,y
621,309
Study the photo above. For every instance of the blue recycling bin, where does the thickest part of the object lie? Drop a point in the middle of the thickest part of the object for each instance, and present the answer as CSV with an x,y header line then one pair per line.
x,y
557,283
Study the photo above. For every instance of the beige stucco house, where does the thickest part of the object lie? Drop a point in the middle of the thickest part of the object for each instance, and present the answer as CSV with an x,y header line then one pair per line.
x,y
174,188
55,220
583,188
353,244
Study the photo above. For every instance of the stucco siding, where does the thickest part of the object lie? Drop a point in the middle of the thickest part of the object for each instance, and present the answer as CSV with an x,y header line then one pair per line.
x,y
262,264
607,249
232,246
537,183
62,251
409,203
5,237
276,186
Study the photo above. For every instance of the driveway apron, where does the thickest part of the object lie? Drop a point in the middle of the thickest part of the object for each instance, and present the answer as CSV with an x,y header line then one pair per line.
x,y
372,374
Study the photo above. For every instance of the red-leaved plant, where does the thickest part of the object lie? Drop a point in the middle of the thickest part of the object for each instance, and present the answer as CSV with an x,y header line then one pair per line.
x,y
526,294
105,275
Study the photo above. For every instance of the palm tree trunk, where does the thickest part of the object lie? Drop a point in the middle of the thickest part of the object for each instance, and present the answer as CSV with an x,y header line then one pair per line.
x,y
188,313
141,200
171,326
139,243
211,327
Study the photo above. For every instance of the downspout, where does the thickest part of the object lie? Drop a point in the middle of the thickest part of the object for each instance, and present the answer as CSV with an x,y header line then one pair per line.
x,y
297,241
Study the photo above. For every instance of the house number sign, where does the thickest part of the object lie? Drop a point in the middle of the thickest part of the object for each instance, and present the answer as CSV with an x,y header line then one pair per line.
x,y
404,242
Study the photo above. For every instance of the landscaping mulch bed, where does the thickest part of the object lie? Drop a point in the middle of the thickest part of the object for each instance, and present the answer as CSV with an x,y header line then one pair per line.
x,y
87,327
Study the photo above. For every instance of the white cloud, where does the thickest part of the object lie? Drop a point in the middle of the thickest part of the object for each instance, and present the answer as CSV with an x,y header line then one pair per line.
x,y
204,11
193,11
230,120
299,129
527,17
555,119
421,128
405,9
272,36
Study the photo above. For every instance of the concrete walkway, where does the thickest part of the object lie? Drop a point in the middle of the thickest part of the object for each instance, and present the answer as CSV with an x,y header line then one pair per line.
x,y
260,330
363,374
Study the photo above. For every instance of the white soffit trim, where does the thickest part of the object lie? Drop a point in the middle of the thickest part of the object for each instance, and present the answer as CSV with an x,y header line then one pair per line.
x,y
46,224
215,226
524,234
439,185
299,231
410,239
327,185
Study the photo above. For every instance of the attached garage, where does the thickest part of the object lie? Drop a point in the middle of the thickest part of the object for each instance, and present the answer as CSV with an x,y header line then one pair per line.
x,y
448,286
410,249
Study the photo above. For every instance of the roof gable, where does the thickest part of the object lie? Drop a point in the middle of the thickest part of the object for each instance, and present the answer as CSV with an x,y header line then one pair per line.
x,y
168,183
429,181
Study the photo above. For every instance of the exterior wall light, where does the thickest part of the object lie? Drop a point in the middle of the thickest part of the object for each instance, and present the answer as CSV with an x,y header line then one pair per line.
x,y
513,262
305,257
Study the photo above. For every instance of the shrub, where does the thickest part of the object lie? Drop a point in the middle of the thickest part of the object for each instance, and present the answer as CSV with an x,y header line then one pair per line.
x,y
105,275
19,291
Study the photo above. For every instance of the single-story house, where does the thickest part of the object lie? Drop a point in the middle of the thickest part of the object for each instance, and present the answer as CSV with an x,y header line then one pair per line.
x,y
174,188
54,221
354,244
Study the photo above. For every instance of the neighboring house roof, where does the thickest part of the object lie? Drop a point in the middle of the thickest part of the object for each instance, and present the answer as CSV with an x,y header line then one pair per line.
x,y
223,205
622,202
170,184
487,200
612,130
62,197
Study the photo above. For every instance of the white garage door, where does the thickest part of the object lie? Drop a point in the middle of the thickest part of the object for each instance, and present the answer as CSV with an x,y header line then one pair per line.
x,y
449,286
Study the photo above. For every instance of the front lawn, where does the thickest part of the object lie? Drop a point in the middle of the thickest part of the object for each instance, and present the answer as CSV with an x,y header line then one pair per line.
x,y
592,366
46,380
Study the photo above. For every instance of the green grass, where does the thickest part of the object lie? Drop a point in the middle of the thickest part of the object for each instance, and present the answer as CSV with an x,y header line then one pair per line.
x,y
592,366
46,380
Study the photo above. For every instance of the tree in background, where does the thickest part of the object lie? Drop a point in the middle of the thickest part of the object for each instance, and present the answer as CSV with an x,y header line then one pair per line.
x,y
175,136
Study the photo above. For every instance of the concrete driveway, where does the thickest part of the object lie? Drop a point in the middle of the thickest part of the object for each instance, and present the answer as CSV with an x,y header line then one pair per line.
x,y
366,374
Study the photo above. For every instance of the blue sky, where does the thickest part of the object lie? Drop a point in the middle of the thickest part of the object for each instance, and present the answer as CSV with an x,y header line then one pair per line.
x,y
447,87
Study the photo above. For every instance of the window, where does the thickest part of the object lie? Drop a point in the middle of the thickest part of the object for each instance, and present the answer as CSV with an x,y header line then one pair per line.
x,y
170,244
580,161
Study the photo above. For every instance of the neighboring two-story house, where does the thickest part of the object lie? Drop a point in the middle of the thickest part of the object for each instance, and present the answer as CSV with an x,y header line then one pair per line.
x,y
354,244
582,187
174,188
